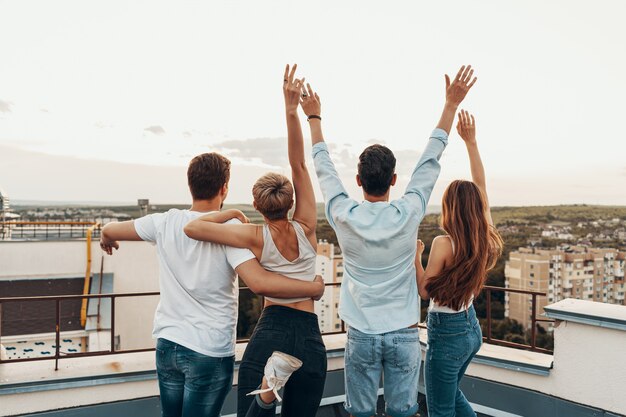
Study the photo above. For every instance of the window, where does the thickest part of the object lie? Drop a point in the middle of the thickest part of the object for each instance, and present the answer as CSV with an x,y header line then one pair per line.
x,y
532,274
531,283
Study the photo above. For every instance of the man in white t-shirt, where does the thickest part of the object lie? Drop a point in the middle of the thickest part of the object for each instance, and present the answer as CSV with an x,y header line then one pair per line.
x,y
195,321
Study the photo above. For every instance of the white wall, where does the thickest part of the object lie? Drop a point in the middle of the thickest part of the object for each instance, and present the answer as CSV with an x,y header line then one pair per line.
x,y
589,367
134,267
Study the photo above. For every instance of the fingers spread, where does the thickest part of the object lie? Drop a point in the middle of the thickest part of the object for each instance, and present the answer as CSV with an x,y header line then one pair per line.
x,y
472,83
458,74
292,73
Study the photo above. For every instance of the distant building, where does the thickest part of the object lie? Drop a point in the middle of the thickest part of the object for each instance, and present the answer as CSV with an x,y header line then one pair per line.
x,y
593,274
330,267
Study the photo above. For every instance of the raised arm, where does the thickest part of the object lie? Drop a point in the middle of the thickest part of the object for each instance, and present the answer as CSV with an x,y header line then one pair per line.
x,y
427,170
335,194
305,211
268,284
455,93
206,228
466,126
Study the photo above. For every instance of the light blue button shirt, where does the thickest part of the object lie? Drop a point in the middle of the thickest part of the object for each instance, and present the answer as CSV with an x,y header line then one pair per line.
x,y
379,242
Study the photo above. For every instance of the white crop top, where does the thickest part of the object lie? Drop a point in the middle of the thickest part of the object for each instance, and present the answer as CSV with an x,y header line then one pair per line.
x,y
302,268
436,308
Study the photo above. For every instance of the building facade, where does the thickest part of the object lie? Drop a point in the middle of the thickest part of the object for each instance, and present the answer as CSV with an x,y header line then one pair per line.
x,y
592,274
330,267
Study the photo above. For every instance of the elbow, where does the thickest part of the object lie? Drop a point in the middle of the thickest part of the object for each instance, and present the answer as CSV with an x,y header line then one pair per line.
x,y
258,289
190,229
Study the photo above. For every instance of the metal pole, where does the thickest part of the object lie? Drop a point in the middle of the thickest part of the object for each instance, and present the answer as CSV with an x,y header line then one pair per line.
x,y
533,337
488,315
57,352
112,324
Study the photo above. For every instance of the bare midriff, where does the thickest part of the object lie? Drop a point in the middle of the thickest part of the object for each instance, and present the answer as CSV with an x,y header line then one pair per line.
x,y
305,305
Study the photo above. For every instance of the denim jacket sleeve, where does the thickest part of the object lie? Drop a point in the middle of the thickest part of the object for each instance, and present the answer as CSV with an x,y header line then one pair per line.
x,y
426,173
335,194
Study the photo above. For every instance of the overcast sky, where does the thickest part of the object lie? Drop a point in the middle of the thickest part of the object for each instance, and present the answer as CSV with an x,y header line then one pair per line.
x,y
108,101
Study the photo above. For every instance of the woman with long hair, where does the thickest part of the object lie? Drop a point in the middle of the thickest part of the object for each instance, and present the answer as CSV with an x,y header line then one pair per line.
x,y
286,347
455,274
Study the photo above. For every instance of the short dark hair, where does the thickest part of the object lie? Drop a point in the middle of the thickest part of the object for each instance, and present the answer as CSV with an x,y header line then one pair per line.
x,y
377,165
207,174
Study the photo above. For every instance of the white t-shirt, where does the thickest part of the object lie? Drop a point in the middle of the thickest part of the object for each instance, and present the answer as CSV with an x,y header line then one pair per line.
x,y
199,288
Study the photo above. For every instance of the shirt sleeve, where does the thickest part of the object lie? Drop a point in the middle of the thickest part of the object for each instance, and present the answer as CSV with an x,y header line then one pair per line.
x,y
237,256
147,227
426,172
335,194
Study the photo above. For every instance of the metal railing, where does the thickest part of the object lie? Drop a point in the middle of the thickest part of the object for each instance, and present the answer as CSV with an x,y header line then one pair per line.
x,y
533,318
58,354
46,230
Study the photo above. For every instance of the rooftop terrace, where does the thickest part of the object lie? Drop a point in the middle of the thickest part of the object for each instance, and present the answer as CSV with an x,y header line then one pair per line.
x,y
585,374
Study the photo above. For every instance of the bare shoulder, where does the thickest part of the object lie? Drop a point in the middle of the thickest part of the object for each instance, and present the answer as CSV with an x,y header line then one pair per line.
x,y
442,248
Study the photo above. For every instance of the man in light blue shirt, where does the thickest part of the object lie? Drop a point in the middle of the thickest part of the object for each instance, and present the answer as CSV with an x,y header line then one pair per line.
x,y
378,237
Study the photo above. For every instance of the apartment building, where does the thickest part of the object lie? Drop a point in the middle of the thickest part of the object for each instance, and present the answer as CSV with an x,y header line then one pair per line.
x,y
592,274
330,267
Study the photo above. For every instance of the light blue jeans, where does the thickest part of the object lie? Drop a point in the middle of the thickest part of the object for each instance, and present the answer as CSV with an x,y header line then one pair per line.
x,y
453,340
191,384
396,355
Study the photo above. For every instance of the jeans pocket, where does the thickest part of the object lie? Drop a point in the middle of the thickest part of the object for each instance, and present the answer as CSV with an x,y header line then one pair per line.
x,y
406,352
451,346
361,352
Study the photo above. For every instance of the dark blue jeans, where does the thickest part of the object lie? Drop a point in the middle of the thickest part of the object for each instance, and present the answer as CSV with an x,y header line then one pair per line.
x,y
453,340
191,384
295,333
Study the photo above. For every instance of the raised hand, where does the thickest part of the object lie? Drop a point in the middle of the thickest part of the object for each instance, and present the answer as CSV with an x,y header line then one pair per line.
x,y
457,90
292,88
466,127
311,103
420,247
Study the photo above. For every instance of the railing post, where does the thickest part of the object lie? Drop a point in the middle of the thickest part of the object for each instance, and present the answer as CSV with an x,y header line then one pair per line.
x,y
533,337
488,315
57,352
0,330
112,324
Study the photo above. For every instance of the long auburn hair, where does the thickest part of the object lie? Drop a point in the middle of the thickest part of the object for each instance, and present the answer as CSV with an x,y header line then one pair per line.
x,y
477,246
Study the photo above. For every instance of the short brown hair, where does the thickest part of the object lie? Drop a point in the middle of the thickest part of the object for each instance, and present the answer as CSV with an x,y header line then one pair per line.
x,y
273,195
207,174
377,165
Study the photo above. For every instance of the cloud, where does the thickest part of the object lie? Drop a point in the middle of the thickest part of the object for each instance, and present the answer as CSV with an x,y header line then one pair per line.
x,y
44,110
268,151
102,125
5,106
187,134
155,130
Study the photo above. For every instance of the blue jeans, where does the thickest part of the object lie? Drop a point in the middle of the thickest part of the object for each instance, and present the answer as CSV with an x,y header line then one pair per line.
x,y
191,384
453,340
397,356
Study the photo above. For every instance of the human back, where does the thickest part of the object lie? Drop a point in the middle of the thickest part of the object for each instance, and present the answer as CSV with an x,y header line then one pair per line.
x,y
198,305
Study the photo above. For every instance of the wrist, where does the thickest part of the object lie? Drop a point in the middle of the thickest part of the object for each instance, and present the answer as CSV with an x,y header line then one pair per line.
x,y
314,118
292,112
451,105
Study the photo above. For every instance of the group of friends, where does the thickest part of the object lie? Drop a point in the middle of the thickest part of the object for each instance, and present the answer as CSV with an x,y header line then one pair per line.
x,y
202,250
